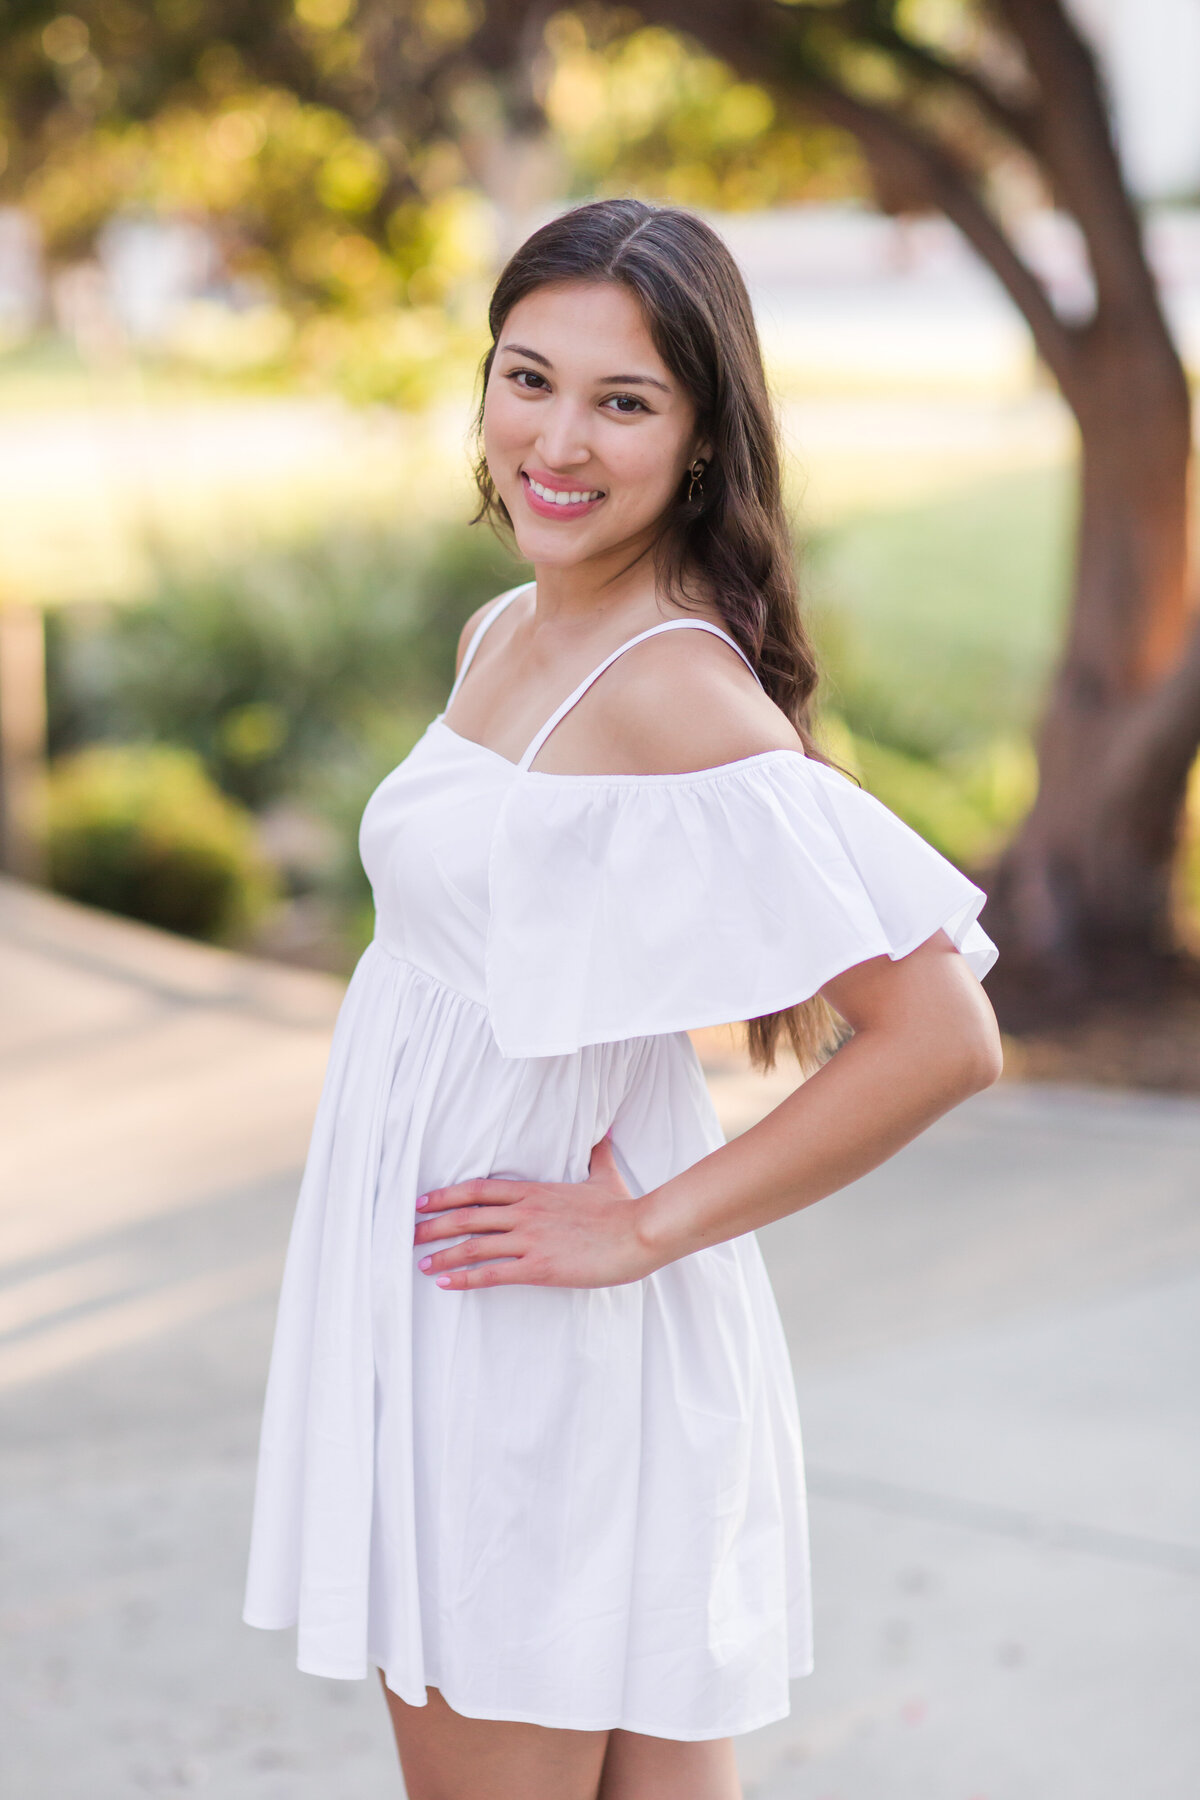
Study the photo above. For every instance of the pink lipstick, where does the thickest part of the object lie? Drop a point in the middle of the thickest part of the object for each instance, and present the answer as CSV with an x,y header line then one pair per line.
x,y
554,500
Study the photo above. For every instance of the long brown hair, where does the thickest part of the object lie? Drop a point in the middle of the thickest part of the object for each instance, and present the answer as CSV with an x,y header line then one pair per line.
x,y
734,531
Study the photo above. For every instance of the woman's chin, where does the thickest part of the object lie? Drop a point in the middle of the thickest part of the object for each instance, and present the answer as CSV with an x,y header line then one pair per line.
x,y
555,548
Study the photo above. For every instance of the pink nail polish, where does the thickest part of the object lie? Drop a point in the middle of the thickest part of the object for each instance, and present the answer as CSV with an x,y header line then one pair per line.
x,y
443,1281
425,1262
422,1199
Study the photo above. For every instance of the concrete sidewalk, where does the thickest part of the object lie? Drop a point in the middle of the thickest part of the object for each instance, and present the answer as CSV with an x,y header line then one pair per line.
x,y
995,1340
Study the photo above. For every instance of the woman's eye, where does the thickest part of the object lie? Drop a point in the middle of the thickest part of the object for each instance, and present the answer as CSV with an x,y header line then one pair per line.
x,y
626,403
527,378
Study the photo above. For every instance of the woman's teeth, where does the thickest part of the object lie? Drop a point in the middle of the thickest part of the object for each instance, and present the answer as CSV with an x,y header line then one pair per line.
x,y
562,496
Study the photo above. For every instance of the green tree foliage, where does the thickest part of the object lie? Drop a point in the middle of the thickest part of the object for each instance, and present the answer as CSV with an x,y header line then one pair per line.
x,y
646,109
270,115
306,133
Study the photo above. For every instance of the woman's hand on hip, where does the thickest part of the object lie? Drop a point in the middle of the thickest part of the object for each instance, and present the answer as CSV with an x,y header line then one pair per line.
x,y
581,1234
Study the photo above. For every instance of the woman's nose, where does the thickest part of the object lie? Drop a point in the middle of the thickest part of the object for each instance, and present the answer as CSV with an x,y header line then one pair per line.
x,y
562,442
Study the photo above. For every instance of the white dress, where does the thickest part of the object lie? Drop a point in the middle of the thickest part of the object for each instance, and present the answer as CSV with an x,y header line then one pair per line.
x,y
577,1507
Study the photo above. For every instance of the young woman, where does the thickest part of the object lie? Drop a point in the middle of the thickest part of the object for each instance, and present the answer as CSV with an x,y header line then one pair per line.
x,y
530,1443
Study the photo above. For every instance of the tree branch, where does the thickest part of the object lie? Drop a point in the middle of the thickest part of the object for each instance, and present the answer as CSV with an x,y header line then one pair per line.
x,y
1074,143
1018,122
934,174
749,40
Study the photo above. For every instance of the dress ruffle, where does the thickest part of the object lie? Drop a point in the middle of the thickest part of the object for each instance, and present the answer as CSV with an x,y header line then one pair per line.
x,y
768,876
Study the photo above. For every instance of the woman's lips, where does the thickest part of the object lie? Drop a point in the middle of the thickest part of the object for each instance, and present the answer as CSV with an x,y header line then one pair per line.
x,y
558,509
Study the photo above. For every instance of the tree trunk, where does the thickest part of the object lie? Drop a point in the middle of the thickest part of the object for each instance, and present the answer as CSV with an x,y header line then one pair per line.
x,y
1081,900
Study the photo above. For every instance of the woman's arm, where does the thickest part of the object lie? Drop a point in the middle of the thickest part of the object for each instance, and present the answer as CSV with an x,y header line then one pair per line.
x,y
924,1039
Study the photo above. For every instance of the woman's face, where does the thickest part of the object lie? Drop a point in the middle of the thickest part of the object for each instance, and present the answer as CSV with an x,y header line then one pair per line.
x,y
579,403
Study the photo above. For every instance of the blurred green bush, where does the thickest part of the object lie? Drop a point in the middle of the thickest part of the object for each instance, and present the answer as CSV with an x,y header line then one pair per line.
x,y
269,665
295,677
140,829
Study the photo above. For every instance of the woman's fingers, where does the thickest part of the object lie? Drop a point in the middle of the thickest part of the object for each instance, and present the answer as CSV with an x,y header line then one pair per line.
x,y
480,1212
459,1256
478,1205
462,1220
484,1190
500,1274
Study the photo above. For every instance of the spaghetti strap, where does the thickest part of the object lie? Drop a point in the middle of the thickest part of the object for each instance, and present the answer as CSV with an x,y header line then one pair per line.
x,y
560,712
489,618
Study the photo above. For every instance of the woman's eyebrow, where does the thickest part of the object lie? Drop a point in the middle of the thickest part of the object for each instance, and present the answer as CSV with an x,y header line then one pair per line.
x,y
533,355
632,381
604,380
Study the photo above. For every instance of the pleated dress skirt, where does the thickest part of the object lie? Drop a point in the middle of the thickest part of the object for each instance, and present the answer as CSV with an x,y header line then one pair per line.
x,y
581,1508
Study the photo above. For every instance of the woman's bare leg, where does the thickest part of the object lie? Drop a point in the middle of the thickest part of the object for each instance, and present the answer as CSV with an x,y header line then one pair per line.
x,y
445,1756
650,1768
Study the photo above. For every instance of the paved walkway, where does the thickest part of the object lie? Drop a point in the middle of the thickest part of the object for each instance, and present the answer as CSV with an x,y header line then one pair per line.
x,y
995,1341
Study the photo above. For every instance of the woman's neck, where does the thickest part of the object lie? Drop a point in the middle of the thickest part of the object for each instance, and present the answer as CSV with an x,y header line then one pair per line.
x,y
620,587
602,588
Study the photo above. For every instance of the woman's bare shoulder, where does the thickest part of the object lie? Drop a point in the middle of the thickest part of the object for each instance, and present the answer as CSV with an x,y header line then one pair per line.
x,y
680,702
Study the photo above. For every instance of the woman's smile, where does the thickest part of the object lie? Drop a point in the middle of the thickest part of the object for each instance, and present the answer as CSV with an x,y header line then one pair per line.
x,y
551,498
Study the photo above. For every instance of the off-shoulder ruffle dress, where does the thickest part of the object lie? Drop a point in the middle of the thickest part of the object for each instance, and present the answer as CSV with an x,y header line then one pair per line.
x,y
578,1507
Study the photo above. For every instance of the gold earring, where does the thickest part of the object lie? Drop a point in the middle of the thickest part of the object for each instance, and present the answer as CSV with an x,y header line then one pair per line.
x,y
696,483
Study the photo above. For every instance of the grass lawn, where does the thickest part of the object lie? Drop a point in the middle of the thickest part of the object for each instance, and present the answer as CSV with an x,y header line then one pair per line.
x,y
940,620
